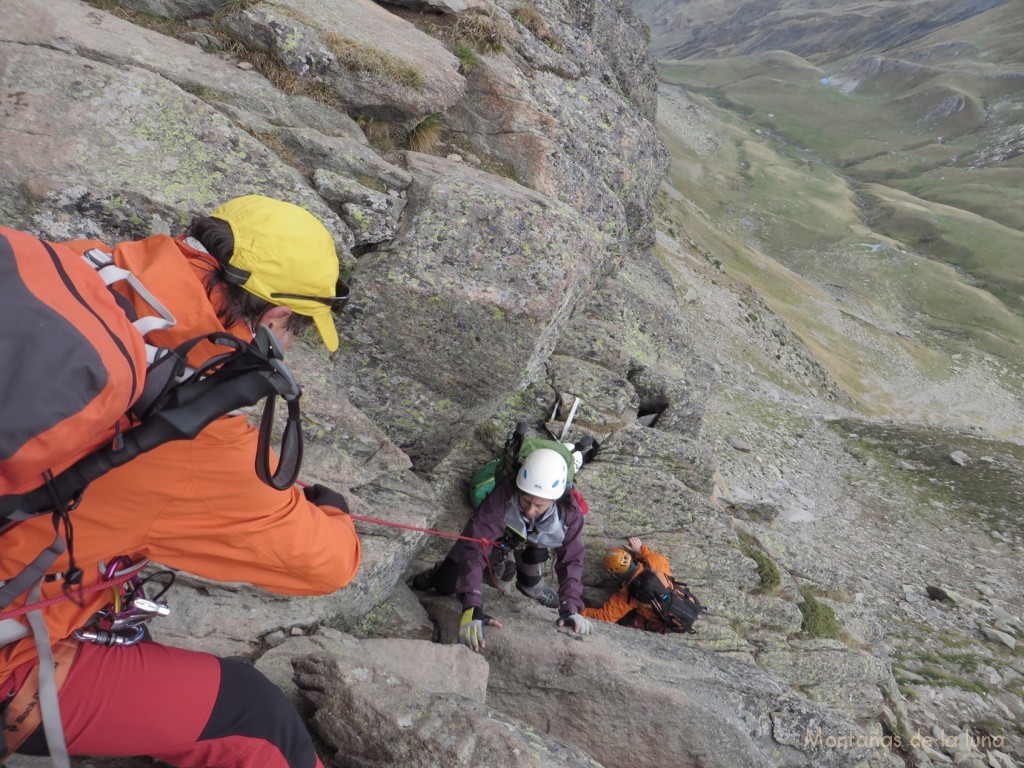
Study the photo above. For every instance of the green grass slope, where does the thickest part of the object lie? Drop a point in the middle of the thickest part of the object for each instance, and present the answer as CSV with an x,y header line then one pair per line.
x,y
898,330
820,30
871,189
991,38
991,253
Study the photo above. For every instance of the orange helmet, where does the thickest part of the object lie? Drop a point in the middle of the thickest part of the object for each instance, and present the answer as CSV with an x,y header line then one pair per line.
x,y
618,561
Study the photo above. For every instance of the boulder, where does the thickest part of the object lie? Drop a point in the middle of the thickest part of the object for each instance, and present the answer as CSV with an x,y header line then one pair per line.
x,y
418,704
375,63
464,305
670,703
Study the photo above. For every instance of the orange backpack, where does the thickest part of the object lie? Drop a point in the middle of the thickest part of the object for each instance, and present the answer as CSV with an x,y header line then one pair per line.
x,y
78,399
72,362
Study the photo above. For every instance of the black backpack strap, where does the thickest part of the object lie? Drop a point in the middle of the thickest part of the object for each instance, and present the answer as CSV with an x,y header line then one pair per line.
x,y
253,372
290,456
508,459
243,377
161,375
589,447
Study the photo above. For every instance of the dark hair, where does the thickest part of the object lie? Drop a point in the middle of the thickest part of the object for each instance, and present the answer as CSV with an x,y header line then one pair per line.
x,y
239,305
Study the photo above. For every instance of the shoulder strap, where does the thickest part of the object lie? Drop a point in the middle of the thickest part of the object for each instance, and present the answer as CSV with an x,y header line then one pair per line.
x,y
105,267
239,378
37,700
159,369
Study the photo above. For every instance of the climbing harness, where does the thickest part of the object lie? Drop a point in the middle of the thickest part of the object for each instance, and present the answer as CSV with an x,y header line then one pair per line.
x,y
122,621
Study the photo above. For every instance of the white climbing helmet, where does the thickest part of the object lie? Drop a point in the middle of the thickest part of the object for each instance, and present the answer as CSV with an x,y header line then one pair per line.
x,y
543,474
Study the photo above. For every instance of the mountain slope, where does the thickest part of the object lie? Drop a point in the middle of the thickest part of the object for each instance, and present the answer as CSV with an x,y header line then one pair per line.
x,y
885,173
817,29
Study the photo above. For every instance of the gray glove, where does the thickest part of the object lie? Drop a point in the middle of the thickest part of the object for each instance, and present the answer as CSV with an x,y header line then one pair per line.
x,y
579,624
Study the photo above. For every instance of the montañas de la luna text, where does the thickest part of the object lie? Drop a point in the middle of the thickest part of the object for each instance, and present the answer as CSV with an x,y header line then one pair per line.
x,y
942,740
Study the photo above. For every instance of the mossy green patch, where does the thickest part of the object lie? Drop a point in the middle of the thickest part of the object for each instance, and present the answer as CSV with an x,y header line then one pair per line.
x,y
819,620
767,570
941,677
466,54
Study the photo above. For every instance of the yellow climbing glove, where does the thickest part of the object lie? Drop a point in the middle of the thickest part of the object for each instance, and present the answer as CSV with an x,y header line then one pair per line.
x,y
471,629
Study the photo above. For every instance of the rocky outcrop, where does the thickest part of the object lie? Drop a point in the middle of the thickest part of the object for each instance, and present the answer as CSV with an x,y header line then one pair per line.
x,y
554,695
622,37
465,304
369,61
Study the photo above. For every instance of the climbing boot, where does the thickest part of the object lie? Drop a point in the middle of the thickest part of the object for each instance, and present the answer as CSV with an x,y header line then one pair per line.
x,y
424,580
542,593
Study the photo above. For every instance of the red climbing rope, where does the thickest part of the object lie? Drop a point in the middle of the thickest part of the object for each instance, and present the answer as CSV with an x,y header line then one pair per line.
x,y
405,527
481,541
99,586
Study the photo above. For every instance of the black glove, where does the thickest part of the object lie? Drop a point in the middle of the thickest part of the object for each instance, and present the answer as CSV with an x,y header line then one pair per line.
x,y
323,496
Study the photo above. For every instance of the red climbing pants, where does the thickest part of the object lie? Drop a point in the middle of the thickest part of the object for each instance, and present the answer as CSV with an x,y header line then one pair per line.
x,y
182,707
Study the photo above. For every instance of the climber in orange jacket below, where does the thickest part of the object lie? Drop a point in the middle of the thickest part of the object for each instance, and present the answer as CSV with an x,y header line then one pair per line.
x,y
194,505
624,607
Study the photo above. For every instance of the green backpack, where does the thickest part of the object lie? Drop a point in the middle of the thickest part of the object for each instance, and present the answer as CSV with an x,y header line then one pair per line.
x,y
517,447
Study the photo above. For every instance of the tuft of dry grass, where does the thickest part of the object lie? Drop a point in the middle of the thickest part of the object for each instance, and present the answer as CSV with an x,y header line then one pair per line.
x,y
235,6
276,144
271,68
532,18
425,135
353,55
357,56
480,30
165,26
467,34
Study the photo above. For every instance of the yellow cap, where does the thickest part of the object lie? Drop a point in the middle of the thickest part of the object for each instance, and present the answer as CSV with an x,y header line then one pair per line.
x,y
284,255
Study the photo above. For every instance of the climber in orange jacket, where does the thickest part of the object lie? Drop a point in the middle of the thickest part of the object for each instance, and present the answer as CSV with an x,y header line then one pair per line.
x,y
624,564
197,506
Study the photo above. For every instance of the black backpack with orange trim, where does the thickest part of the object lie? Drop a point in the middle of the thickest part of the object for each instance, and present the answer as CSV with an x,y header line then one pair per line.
x,y
673,602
